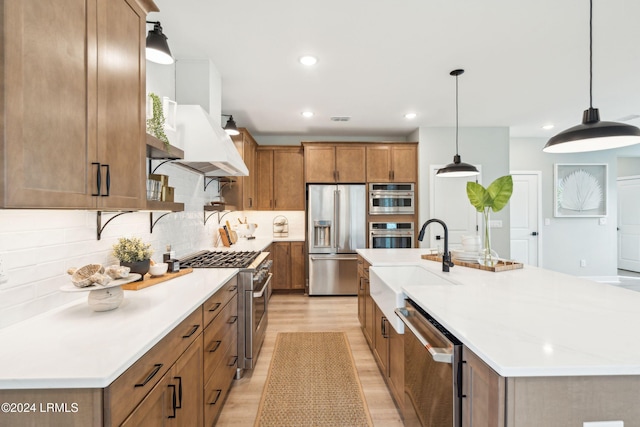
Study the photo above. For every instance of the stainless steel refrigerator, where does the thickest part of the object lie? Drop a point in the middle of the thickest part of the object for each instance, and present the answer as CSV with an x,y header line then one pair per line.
x,y
336,227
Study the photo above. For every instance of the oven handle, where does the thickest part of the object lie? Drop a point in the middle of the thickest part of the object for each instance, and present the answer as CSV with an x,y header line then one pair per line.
x,y
264,288
438,354
333,258
392,233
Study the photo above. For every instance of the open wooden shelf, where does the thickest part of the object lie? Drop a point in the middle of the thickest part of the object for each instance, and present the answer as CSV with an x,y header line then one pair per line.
x,y
157,150
154,205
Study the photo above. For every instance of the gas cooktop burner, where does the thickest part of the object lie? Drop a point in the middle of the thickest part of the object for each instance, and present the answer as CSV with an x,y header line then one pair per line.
x,y
219,259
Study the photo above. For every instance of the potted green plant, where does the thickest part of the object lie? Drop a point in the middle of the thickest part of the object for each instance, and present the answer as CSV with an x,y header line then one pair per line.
x,y
493,198
133,253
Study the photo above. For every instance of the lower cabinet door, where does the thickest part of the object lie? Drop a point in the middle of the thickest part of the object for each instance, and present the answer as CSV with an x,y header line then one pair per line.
x,y
154,409
186,388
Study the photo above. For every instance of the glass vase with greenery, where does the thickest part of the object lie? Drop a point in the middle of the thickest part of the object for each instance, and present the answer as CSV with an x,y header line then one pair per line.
x,y
493,198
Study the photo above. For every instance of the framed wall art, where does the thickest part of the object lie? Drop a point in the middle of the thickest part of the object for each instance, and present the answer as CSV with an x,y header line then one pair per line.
x,y
580,190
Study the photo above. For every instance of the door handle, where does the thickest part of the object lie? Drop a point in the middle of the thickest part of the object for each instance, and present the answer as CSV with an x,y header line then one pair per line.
x,y
535,233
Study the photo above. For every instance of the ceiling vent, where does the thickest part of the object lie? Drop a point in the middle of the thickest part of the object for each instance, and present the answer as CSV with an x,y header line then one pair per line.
x,y
340,118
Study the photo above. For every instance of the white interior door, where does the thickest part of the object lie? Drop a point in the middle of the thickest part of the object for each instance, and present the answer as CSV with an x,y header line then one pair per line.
x,y
525,217
629,223
449,202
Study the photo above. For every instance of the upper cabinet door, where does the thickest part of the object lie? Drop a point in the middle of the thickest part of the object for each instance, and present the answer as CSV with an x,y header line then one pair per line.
x,y
350,164
288,184
49,109
379,163
121,103
405,163
319,164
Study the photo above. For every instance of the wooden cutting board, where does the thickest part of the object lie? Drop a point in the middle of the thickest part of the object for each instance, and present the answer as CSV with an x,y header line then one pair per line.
x,y
500,265
150,281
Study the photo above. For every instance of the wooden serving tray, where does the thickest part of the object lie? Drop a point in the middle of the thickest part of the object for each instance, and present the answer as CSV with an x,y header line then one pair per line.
x,y
147,280
501,265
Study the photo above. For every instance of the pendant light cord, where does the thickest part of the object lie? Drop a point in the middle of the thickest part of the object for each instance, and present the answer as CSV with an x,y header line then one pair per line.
x,y
591,54
456,114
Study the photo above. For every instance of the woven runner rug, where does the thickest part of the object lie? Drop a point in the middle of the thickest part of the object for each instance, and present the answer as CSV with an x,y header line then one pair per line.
x,y
312,381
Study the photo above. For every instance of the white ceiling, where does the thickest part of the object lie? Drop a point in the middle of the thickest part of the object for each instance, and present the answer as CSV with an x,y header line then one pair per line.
x,y
526,62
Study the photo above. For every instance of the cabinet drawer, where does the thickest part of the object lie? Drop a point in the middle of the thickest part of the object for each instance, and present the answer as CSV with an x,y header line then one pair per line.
x,y
219,336
124,394
217,388
217,301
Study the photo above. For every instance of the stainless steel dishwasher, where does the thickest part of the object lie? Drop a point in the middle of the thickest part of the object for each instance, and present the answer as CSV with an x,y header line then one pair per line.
x,y
432,371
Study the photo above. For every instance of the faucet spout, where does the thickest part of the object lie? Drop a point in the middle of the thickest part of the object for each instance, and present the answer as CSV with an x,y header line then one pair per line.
x,y
446,256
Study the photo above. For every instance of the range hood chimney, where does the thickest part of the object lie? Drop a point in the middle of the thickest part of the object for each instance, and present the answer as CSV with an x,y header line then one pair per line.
x,y
207,147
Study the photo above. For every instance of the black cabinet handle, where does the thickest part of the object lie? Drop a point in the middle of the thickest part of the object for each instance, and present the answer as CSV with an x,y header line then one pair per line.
x,y
193,331
173,401
98,178
108,175
235,359
217,397
535,233
459,385
233,288
152,374
215,307
179,405
232,320
213,350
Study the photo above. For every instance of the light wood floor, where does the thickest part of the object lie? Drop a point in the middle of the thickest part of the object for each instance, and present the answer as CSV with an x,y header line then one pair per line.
x,y
292,313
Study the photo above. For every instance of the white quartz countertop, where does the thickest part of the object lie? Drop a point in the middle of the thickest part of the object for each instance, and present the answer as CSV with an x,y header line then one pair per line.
x,y
531,321
75,347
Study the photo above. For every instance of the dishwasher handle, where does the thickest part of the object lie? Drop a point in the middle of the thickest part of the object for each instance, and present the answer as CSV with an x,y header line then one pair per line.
x,y
442,355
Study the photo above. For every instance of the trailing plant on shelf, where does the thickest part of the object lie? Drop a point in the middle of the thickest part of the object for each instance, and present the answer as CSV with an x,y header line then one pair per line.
x,y
493,198
155,125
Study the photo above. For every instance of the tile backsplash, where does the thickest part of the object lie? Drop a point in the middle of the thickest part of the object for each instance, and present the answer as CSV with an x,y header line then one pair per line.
x,y
38,246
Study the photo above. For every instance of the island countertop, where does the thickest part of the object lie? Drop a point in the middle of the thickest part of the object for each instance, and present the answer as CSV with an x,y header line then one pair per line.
x,y
75,347
530,321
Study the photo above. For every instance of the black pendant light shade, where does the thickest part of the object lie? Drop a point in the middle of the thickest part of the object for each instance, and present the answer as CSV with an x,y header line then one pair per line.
x,y
157,47
230,128
457,168
592,134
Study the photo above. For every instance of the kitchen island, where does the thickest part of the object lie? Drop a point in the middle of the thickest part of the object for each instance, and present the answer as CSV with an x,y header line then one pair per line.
x,y
560,350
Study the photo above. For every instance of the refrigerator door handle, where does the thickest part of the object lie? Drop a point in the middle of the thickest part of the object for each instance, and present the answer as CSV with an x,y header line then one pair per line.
x,y
336,218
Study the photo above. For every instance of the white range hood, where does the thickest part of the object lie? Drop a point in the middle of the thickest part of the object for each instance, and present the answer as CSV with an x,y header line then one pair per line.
x,y
207,147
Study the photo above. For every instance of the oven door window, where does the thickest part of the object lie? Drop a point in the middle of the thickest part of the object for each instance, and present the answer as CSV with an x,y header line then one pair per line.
x,y
392,202
395,242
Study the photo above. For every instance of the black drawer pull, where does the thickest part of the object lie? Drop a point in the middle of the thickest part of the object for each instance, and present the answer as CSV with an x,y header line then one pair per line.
x,y
235,359
108,174
213,350
216,307
232,320
153,373
173,401
233,288
179,405
193,331
217,397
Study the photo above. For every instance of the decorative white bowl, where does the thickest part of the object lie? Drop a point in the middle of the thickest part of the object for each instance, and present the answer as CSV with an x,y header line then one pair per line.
x,y
158,269
245,230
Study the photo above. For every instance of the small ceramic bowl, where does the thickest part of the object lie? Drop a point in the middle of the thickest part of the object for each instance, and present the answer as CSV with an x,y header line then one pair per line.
x,y
158,269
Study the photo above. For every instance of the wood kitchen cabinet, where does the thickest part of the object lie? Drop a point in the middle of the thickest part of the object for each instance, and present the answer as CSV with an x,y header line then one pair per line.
x,y
388,351
485,393
334,163
392,163
366,310
242,193
280,178
288,266
74,104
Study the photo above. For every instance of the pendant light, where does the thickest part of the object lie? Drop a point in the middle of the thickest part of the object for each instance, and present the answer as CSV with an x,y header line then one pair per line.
x,y
457,168
157,47
592,134
230,128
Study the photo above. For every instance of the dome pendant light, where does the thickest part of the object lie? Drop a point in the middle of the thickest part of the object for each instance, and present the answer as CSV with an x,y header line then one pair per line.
x,y
457,168
592,134
230,128
157,49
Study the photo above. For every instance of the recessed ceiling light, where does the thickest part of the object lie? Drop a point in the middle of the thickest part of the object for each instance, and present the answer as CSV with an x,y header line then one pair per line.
x,y
308,60
307,114
410,116
548,127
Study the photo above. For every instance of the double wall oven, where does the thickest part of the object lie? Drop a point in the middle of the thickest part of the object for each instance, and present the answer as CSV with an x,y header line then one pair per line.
x,y
254,280
391,199
391,235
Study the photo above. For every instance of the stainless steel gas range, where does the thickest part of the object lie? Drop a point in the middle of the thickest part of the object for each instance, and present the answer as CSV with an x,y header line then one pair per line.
x,y
253,296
